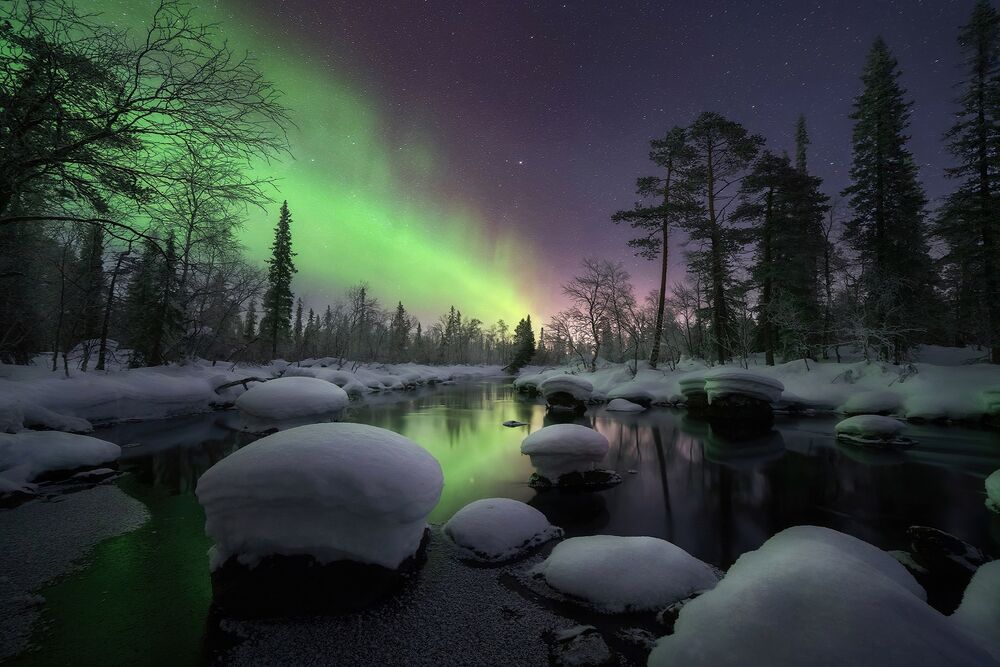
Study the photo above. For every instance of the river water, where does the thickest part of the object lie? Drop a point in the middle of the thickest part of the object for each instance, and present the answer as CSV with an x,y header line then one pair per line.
x,y
143,597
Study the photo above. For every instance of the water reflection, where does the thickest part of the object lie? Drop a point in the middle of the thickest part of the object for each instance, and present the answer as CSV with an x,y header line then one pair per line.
x,y
716,495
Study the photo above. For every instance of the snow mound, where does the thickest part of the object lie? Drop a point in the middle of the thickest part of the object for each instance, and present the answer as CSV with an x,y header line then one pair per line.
x,y
979,613
813,596
870,426
563,448
530,381
872,403
26,456
619,574
343,379
334,491
574,385
993,491
292,398
719,384
623,405
498,529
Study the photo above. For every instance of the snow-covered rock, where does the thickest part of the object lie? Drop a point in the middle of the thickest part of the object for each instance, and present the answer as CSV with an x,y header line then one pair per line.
x,y
873,430
577,387
564,448
623,405
498,529
618,574
343,379
979,613
528,382
29,455
993,491
813,596
292,398
334,491
872,403
723,383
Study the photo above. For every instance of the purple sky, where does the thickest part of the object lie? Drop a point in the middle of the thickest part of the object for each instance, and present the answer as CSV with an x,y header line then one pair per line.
x,y
544,110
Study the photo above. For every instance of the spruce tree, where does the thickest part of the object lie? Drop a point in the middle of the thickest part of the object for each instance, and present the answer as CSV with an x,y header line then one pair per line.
x,y
250,322
801,145
524,345
278,299
887,228
723,150
672,195
970,220
399,332
297,328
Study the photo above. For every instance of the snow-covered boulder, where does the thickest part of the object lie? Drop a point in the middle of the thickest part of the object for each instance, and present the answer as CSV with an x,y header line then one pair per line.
x,y
872,403
498,529
332,491
564,448
979,613
288,398
874,430
528,382
566,391
346,380
813,596
28,456
623,405
726,383
620,574
993,491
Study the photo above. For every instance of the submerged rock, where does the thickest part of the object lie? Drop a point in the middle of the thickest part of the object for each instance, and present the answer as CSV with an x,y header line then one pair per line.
x,y
872,431
942,563
589,480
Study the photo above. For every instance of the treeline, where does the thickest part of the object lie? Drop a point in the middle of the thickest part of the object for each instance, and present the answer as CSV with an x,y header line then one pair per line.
x,y
777,266
125,176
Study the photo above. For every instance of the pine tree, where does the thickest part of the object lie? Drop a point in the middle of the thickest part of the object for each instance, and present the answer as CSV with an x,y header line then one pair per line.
x,y
297,328
970,220
785,209
399,332
152,312
887,228
524,345
801,145
672,193
250,322
723,150
278,299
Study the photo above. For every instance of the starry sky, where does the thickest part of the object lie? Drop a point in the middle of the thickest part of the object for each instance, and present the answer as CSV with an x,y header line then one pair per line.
x,y
498,137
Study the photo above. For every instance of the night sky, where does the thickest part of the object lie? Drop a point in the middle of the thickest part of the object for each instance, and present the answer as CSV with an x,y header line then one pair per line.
x,y
512,131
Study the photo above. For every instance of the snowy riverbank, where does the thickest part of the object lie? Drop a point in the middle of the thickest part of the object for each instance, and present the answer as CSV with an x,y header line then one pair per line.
x,y
947,390
35,397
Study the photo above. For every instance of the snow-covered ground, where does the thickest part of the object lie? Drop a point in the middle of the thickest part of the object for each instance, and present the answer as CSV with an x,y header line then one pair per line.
x,y
945,386
813,596
27,456
34,396
331,491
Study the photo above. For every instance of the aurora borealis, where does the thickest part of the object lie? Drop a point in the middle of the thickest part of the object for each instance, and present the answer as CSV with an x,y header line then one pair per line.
x,y
363,200
472,154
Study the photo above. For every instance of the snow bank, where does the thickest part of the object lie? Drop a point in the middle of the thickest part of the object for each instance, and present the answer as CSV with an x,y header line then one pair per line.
x,y
562,448
574,385
719,384
979,613
529,379
993,491
618,574
292,398
623,405
498,529
813,596
26,456
872,403
334,491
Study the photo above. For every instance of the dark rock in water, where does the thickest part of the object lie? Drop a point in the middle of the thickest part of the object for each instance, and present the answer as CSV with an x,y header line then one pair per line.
x,y
513,423
697,404
565,402
640,637
590,480
745,409
299,585
943,564
579,646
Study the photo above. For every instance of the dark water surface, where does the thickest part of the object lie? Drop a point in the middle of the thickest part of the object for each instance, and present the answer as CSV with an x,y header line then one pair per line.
x,y
143,597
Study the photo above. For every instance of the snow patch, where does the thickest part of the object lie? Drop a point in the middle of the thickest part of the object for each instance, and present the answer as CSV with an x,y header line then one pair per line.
x,y
26,456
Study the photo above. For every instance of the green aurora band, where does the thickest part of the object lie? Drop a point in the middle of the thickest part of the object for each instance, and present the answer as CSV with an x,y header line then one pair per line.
x,y
360,205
